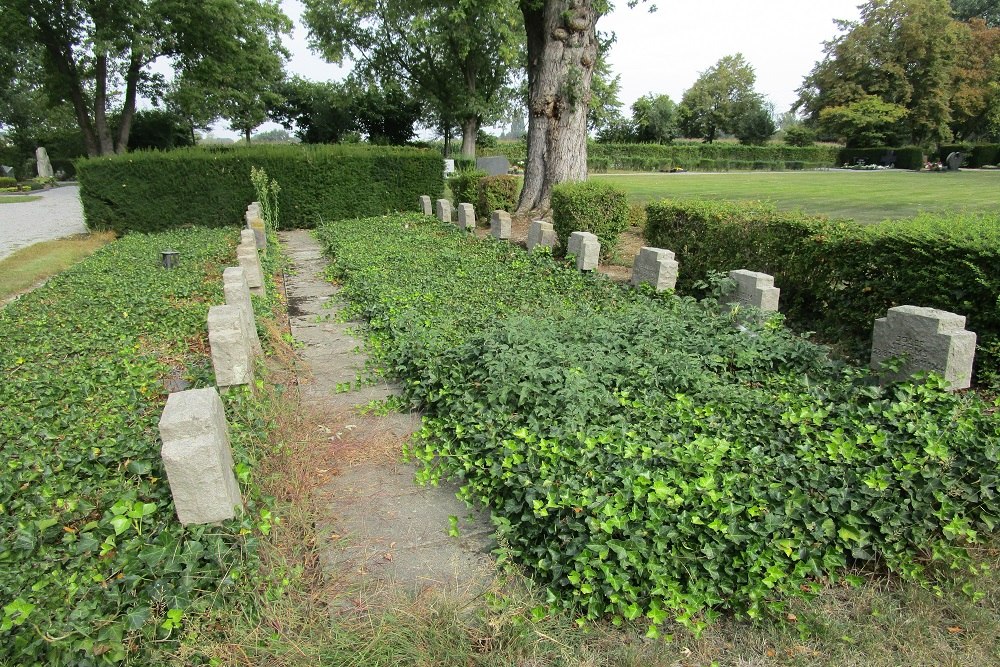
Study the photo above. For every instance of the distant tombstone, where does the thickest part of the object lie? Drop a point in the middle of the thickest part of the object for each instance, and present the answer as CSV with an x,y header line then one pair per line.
x,y
954,160
656,267
541,233
495,165
425,205
926,339
888,159
232,351
6,171
443,210
586,248
449,167
754,289
500,225
467,217
197,457
42,162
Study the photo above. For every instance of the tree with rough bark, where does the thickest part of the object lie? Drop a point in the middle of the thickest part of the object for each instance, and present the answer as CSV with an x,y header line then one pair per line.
x,y
98,54
459,57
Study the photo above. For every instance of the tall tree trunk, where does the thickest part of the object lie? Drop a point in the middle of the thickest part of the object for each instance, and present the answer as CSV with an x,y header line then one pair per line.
x,y
64,64
128,107
562,50
470,128
107,146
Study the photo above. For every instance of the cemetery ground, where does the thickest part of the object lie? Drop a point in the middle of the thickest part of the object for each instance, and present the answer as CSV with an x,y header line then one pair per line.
x,y
276,605
864,196
32,265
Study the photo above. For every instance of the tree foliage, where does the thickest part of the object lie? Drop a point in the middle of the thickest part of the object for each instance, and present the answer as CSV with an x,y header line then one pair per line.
x,y
718,98
655,119
97,55
987,10
866,123
458,58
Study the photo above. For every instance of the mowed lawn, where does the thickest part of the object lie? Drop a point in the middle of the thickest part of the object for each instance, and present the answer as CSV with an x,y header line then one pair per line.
x,y
865,196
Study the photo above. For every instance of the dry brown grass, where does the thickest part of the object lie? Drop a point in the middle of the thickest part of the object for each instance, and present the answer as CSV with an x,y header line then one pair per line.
x,y
29,267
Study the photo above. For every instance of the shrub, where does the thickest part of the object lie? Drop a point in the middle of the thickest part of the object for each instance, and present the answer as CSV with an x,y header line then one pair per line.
x,y
465,185
910,157
589,206
944,150
836,278
496,193
599,165
151,190
8,182
984,154
799,135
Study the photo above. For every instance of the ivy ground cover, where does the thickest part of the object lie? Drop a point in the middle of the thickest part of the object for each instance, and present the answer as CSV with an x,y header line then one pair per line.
x,y
648,458
94,567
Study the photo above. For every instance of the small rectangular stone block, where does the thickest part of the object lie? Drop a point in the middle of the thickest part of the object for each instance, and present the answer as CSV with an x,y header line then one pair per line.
x,y
928,340
586,248
249,261
541,233
232,355
467,217
425,205
234,285
256,225
197,457
656,267
754,289
500,225
443,210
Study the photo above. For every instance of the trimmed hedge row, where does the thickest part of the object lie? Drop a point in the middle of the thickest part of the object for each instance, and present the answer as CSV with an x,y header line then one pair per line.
x,y
907,157
692,156
837,277
153,191
976,155
590,206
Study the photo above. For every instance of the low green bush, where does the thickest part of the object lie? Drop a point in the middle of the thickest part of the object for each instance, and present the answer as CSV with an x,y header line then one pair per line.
x,y
590,206
8,182
496,193
838,277
465,185
944,150
984,154
153,190
643,457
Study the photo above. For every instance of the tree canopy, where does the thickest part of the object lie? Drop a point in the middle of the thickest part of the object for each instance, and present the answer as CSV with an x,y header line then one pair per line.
x,y
97,55
720,96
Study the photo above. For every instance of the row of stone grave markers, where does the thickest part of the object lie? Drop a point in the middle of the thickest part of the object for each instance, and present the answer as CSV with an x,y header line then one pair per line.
x,y
925,339
196,452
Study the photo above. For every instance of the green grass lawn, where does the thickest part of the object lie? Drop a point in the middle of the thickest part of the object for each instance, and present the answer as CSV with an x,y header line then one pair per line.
x,y
18,199
865,196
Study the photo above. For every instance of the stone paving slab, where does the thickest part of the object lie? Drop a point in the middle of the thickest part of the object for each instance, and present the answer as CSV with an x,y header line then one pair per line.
x,y
381,525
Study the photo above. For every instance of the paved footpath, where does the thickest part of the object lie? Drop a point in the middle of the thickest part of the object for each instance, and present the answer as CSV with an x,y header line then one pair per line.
x,y
57,214
382,527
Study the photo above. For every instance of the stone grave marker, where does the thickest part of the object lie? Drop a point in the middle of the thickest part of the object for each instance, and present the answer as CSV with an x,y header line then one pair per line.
x,y
754,289
656,267
467,217
541,233
586,248
197,457
926,339
42,163
234,285
444,210
425,205
494,165
232,352
500,225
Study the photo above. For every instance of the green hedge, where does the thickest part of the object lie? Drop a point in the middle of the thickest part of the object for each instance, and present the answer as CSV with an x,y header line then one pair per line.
x,y
150,191
464,186
985,154
838,277
905,157
590,206
497,193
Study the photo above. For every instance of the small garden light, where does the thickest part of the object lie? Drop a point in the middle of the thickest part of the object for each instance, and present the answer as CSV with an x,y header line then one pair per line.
x,y
169,258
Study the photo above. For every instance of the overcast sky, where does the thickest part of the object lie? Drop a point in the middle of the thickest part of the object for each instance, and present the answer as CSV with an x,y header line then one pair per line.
x,y
664,52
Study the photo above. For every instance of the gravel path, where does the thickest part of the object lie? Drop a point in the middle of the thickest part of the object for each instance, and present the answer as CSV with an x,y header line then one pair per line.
x,y
58,213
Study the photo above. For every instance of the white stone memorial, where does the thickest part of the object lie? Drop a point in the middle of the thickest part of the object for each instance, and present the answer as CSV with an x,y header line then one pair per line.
x,y
234,285
754,289
443,210
42,163
500,225
586,248
425,205
925,339
232,351
656,267
467,217
197,457
541,233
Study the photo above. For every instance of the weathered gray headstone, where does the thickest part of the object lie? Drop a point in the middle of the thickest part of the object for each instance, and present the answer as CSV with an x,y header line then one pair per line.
x,y
500,225
449,167
954,160
425,205
249,260
467,217
197,457
754,289
6,171
232,356
656,267
256,224
42,162
494,165
541,233
926,339
443,210
586,248
234,285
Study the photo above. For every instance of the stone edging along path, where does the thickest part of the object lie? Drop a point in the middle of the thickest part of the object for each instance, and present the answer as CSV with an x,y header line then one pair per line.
x,y
380,525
